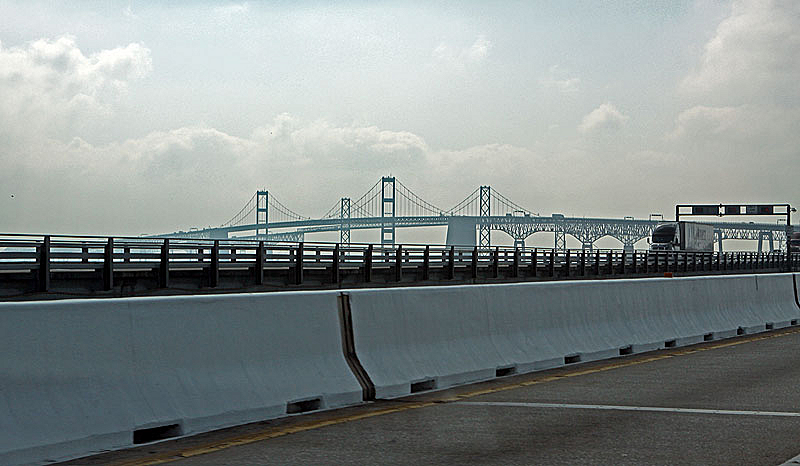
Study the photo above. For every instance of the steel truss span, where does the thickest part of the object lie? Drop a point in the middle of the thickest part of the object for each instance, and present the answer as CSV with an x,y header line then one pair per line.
x,y
389,204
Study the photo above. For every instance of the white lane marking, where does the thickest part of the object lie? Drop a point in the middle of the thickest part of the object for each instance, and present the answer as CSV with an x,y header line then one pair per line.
x,y
792,461
627,408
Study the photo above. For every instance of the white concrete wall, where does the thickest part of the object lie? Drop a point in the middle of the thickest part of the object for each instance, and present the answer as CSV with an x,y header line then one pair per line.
x,y
81,375
458,334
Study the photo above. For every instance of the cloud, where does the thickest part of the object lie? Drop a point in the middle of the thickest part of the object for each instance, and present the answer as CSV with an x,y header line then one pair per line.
x,y
743,100
754,56
604,117
234,8
465,57
129,14
557,79
51,86
226,13
704,121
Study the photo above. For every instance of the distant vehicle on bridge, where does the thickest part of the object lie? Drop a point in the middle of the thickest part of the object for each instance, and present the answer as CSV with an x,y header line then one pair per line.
x,y
683,236
794,242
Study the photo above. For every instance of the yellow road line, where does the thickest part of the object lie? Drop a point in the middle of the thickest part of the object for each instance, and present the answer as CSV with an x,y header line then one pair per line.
x,y
280,432
256,437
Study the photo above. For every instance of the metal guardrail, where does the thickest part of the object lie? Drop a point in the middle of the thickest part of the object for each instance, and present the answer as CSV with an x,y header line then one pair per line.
x,y
124,266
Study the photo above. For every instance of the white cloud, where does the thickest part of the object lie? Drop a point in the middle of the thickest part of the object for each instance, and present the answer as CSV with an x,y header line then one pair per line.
x,y
226,13
743,100
703,121
49,86
754,56
559,80
128,13
604,117
462,58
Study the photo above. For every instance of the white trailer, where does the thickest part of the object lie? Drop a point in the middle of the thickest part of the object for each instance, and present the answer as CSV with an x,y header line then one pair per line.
x,y
683,236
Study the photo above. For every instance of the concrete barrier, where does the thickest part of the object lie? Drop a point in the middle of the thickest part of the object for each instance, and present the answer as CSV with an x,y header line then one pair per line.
x,y
81,376
415,339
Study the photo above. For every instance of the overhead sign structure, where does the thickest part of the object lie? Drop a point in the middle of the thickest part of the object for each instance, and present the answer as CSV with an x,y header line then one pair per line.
x,y
720,210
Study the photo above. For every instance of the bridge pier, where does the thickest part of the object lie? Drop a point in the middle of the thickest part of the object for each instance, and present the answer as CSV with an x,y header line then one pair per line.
x,y
768,236
461,231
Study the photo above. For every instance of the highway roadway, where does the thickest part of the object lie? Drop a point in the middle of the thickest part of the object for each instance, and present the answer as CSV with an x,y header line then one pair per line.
x,y
725,402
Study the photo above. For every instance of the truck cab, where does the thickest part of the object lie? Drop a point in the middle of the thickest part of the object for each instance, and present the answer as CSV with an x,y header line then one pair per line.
x,y
683,236
666,237
794,242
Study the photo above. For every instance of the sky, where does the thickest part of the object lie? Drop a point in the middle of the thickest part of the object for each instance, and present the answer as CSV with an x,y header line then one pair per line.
x,y
149,117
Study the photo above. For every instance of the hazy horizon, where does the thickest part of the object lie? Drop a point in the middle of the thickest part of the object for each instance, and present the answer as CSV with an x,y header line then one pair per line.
x,y
137,117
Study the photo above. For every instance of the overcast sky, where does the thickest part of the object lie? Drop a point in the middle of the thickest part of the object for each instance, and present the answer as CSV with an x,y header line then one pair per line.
x,y
132,117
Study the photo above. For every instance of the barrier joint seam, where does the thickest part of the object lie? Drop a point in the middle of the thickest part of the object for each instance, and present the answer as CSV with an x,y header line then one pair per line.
x,y
349,348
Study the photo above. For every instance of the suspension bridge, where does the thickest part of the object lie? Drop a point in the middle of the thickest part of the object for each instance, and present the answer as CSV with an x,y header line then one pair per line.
x,y
389,205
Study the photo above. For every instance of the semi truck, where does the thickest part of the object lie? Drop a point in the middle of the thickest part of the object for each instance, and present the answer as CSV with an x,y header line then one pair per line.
x,y
794,242
683,236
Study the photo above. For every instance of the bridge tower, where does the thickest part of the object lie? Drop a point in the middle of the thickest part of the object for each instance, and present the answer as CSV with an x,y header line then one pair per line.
x,y
485,211
388,193
560,233
344,216
262,212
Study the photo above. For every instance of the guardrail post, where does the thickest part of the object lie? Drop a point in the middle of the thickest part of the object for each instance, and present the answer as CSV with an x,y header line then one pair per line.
x,y
213,268
451,263
647,262
163,266
597,262
298,265
335,262
398,263
583,262
259,266
534,262
634,264
515,266
108,265
44,265
474,265
495,272
567,263
368,264
624,260
610,262
426,263
551,268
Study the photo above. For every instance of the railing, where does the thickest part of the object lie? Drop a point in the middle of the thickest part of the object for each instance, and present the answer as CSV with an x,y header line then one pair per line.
x,y
121,266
